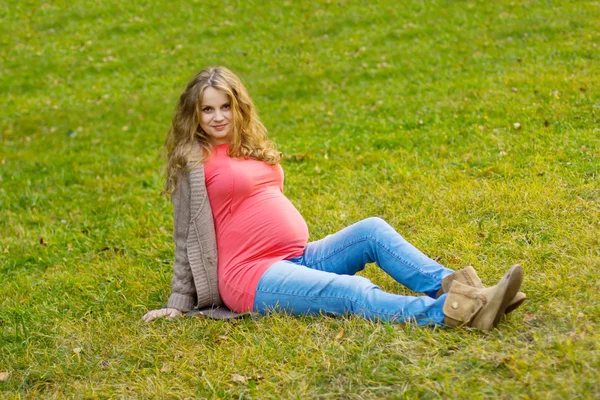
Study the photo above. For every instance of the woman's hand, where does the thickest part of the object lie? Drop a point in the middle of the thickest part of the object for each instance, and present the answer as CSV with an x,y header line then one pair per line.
x,y
170,313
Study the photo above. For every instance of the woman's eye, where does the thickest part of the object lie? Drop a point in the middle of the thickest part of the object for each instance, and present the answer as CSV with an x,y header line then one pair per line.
x,y
206,109
226,106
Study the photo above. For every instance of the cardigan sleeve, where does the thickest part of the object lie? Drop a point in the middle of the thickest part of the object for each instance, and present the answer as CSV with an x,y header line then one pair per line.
x,y
183,291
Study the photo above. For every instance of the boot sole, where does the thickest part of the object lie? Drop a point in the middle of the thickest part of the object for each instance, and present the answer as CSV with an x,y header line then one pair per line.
x,y
508,287
514,279
515,304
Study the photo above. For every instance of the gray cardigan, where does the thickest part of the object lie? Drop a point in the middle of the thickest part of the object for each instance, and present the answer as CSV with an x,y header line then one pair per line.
x,y
194,287
194,282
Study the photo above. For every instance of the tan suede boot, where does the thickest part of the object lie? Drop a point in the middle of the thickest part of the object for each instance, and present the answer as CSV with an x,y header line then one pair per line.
x,y
468,276
481,308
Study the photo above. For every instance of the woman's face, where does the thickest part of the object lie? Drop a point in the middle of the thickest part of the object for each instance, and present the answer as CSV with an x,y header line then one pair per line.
x,y
215,115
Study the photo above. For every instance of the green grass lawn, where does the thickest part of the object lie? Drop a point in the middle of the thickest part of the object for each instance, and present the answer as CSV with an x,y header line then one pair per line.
x,y
472,127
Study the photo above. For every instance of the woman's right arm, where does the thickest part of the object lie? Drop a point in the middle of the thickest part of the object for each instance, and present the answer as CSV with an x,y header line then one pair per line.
x,y
183,289
170,313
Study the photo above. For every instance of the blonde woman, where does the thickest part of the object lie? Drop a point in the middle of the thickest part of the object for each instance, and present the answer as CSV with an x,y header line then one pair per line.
x,y
242,244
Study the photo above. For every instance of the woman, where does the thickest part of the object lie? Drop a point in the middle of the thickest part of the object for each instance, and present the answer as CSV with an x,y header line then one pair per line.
x,y
227,189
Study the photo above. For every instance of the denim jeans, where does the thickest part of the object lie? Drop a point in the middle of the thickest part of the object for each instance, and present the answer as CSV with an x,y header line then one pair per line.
x,y
323,279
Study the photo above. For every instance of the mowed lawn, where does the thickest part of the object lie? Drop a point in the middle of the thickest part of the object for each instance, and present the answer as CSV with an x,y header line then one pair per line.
x,y
472,127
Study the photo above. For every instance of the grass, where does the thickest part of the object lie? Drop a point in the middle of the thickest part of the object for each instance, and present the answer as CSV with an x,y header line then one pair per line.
x,y
472,127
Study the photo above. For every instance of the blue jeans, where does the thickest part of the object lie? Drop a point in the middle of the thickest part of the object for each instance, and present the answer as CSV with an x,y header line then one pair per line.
x,y
323,279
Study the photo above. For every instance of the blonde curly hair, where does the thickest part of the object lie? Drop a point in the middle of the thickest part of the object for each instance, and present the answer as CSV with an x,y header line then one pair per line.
x,y
249,135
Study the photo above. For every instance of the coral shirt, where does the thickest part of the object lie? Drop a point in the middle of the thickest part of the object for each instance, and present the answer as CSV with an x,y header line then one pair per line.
x,y
256,225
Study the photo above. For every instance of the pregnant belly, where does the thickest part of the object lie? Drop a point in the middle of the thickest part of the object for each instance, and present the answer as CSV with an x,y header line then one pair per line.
x,y
263,227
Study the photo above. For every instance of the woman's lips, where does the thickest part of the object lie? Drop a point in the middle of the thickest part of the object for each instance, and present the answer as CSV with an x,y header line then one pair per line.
x,y
219,127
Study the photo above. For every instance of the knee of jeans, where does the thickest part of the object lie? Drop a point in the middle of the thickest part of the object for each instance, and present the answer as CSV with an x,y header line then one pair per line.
x,y
378,224
362,287
364,295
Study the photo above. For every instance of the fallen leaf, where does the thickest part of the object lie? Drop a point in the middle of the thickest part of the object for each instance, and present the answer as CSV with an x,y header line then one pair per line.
x,y
239,378
340,334
43,242
165,368
517,125
77,350
529,318
4,376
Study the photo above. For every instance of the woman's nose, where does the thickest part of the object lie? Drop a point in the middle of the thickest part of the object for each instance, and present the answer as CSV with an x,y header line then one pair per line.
x,y
218,115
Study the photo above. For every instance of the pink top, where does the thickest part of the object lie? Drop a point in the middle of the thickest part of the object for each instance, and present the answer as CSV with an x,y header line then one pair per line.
x,y
256,225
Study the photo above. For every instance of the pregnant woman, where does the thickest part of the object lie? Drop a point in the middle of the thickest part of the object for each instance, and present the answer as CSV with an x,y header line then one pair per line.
x,y
240,242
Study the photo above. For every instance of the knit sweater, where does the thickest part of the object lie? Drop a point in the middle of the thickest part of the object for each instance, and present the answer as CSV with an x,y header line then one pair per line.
x,y
194,283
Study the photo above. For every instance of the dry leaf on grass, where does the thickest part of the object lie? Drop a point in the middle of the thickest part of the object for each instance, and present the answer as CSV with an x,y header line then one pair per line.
x,y
4,376
165,368
239,378
244,380
530,318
